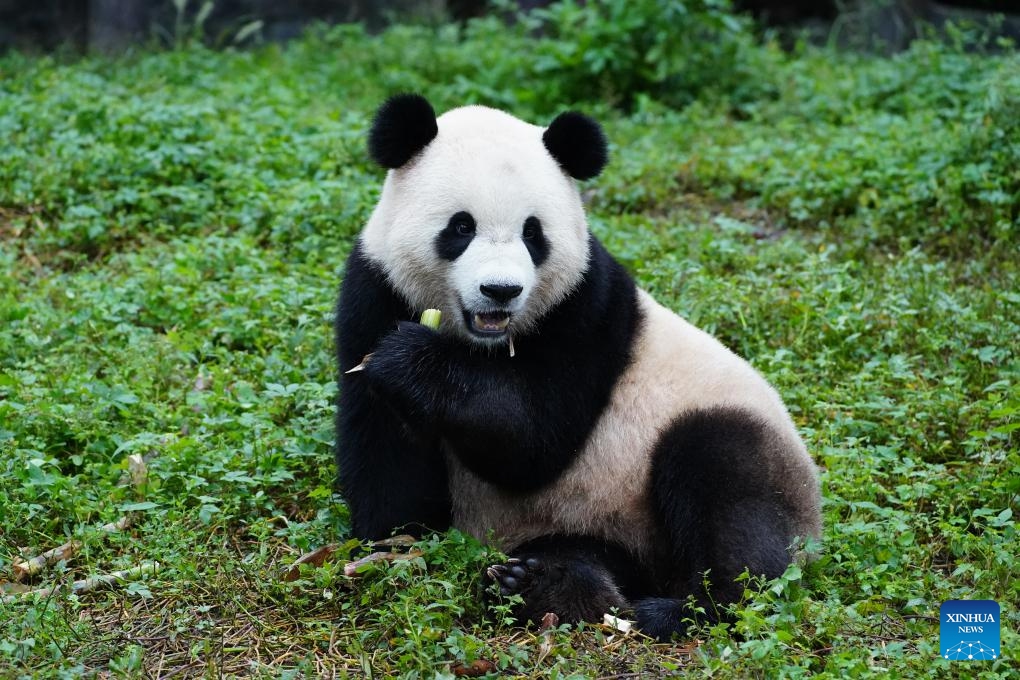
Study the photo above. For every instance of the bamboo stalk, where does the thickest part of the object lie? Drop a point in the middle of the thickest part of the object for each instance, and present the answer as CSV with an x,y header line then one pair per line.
x,y
22,569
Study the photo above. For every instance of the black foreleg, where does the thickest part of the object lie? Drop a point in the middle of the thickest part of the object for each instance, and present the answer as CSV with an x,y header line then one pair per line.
x,y
392,477
492,412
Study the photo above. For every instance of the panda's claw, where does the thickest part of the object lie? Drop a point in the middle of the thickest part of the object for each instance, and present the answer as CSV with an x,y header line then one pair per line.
x,y
515,576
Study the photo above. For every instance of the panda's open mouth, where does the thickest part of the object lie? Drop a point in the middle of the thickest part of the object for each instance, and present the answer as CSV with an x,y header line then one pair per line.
x,y
488,323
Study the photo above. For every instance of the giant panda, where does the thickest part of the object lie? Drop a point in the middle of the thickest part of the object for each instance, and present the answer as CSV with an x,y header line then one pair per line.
x,y
622,458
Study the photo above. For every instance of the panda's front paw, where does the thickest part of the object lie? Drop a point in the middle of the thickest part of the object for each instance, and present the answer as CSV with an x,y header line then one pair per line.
x,y
403,346
401,368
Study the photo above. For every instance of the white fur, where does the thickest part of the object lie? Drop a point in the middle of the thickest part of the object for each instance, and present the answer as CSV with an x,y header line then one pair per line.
x,y
495,167
677,368
490,261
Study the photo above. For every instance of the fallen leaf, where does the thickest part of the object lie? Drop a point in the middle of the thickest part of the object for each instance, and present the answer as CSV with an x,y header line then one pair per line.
x,y
476,668
316,558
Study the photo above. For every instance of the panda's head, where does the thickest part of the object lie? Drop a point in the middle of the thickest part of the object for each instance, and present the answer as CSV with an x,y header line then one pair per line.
x,y
480,215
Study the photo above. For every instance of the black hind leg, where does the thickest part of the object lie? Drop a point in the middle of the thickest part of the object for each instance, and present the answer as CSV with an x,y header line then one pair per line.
x,y
705,584
578,579
720,511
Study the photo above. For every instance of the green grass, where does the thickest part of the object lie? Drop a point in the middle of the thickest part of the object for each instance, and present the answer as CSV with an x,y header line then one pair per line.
x,y
172,232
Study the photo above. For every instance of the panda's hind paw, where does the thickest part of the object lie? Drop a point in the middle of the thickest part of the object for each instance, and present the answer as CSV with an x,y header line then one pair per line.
x,y
515,576
574,588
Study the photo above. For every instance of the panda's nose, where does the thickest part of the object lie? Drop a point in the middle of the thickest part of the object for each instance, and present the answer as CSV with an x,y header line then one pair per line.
x,y
500,293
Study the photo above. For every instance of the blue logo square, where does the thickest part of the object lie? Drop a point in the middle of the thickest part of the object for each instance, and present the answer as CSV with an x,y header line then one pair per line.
x,y
969,630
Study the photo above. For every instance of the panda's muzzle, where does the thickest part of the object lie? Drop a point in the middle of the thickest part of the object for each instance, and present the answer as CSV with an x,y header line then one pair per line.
x,y
493,322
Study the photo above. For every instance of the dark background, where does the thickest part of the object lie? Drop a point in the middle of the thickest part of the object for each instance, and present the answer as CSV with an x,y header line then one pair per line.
x,y
111,25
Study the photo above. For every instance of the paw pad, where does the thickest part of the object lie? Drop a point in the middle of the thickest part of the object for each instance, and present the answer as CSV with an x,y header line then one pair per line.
x,y
515,575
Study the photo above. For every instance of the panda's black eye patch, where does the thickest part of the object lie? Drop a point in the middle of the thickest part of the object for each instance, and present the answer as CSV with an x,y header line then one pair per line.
x,y
532,227
534,240
452,241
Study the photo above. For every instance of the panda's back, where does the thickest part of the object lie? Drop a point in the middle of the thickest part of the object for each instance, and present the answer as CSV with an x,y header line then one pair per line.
x,y
675,369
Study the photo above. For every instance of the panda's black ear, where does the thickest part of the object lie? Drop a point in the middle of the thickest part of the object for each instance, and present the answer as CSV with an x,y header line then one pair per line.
x,y
578,144
403,126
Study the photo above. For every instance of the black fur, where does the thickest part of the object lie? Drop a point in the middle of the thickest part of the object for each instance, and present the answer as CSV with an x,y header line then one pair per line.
x,y
488,409
577,587
578,144
579,578
393,477
717,512
403,126
519,423
454,239
535,241
718,507
422,393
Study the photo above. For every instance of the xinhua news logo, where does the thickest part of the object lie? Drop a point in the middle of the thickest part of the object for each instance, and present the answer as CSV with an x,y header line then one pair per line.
x,y
969,630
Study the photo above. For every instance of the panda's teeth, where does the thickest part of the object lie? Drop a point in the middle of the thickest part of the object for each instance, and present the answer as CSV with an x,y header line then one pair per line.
x,y
492,322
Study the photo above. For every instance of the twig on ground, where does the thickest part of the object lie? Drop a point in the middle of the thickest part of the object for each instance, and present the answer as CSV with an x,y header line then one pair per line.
x,y
351,568
22,569
323,554
398,541
120,525
91,583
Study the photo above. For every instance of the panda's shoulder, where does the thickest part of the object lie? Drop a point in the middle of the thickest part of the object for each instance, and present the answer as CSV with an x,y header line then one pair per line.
x,y
693,365
665,326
